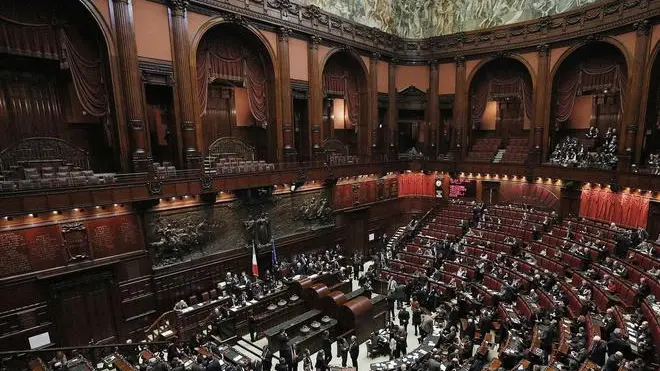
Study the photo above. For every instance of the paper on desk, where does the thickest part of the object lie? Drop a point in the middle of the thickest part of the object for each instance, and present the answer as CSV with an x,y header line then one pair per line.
x,y
237,358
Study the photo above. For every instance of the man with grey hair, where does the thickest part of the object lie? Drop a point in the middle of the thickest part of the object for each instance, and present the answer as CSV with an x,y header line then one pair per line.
x,y
613,362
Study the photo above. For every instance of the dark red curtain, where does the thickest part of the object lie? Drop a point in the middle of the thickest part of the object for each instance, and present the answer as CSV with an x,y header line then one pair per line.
x,y
416,184
231,58
343,196
593,74
506,83
340,79
43,30
623,208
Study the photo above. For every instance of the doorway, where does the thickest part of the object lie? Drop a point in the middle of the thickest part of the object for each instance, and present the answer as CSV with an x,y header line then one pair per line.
x,y
301,129
83,307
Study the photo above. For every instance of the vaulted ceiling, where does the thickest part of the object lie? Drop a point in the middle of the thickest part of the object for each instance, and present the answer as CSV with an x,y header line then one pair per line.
x,y
426,18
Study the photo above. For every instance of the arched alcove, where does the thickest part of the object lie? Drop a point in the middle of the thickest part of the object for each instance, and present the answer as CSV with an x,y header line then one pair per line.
x,y
345,105
236,88
55,82
500,110
588,98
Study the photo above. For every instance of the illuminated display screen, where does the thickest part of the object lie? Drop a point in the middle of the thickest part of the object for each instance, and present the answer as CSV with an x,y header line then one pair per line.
x,y
462,188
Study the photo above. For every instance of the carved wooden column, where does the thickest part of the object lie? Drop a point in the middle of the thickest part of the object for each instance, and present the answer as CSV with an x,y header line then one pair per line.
x,y
392,111
634,116
132,85
432,107
541,109
285,86
181,52
459,138
315,98
373,102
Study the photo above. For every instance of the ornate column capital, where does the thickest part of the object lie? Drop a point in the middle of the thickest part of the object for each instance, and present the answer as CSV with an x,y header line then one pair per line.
x,y
433,63
375,56
314,41
460,61
642,27
178,5
543,49
284,33
395,61
120,1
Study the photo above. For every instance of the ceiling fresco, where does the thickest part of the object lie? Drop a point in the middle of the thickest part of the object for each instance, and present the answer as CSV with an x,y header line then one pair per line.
x,y
426,18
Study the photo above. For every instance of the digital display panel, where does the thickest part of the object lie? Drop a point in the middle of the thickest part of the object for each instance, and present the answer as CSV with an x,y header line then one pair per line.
x,y
459,188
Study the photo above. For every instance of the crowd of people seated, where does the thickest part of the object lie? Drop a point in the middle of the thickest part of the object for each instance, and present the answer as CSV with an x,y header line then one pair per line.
x,y
571,151
575,315
654,163
205,353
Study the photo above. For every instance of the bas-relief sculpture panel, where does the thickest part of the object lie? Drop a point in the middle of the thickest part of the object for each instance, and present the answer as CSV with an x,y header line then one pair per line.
x,y
175,236
426,18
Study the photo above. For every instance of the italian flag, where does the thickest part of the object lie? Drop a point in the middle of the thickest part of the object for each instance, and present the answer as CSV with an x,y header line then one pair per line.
x,y
255,266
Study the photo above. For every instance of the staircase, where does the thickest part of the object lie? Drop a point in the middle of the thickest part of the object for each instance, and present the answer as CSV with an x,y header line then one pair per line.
x,y
498,156
209,164
398,235
249,347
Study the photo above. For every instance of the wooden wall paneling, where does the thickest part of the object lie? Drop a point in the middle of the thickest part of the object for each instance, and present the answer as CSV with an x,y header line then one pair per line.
x,y
541,108
283,35
460,131
315,98
633,114
372,142
183,83
432,108
392,110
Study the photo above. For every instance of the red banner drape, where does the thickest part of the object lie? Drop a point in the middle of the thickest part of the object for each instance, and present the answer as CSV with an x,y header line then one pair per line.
x,y
624,209
416,184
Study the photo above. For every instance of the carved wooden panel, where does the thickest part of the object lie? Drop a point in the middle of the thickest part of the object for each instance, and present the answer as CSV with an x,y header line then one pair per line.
x,y
187,234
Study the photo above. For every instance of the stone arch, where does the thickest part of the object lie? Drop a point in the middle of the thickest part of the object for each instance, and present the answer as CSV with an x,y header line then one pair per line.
x,y
352,60
272,75
517,57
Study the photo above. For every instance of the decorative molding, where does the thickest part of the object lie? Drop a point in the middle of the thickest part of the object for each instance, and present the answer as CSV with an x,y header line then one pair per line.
x,y
136,124
375,56
284,33
156,73
314,41
206,182
178,5
155,187
543,49
642,27
460,61
601,17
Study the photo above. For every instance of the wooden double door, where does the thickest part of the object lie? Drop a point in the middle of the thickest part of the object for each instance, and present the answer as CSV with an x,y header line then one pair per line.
x,y
84,309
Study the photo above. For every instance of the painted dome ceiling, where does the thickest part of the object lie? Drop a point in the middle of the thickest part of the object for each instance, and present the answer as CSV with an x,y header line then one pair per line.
x,y
426,18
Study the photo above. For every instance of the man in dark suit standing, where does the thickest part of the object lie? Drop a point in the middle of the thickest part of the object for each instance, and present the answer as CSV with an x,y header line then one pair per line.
x,y
597,351
327,346
354,351
616,344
